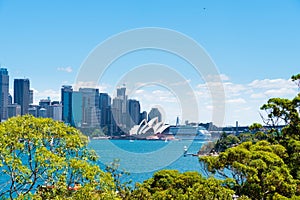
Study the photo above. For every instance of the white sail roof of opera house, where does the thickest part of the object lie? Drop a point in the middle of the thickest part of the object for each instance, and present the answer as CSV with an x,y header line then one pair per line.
x,y
151,127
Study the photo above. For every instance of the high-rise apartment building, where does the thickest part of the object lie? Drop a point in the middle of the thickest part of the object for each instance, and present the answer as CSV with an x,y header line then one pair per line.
x,y
22,94
4,87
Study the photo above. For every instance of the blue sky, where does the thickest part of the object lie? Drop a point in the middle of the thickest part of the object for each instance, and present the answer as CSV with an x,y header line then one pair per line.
x,y
254,44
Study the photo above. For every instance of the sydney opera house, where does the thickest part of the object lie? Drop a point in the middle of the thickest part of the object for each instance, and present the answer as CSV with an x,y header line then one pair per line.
x,y
148,130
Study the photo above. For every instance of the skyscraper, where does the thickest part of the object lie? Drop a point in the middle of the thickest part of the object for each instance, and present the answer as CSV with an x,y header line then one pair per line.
x,y
116,110
14,110
30,96
134,109
105,104
77,109
154,112
56,111
90,107
121,92
10,99
21,94
4,85
120,110
143,116
66,100
45,103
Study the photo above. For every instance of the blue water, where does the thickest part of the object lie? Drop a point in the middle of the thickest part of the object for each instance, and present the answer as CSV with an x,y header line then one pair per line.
x,y
141,158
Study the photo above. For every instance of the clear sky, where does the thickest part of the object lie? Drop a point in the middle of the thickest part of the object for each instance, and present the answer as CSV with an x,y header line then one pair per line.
x,y
255,45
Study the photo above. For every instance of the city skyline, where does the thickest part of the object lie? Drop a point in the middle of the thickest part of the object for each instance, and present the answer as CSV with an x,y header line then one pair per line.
x,y
86,108
253,44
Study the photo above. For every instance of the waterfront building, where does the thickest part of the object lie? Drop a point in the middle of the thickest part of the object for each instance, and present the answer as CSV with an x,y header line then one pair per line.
x,y
56,111
55,102
105,111
120,111
77,108
154,112
116,110
21,94
147,130
30,96
10,99
104,105
45,103
13,110
134,109
34,110
90,107
43,113
66,100
121,92
4,94
143,116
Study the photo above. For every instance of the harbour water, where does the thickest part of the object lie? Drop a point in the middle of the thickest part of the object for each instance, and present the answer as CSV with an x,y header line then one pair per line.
x,y
141,158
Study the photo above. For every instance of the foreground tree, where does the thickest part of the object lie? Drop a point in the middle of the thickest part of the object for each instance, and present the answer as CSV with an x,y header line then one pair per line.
x,y
258,170
286,111
46,159
170,184
225,142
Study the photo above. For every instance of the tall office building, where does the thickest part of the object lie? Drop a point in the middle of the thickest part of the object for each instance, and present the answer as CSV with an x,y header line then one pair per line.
x,y
22,94
134,109
46,111
4,85
56,111
154,112
77,108
30,96
66,100
10,99
105,110
143,116
90,107
120,110
14,110
34,110
121,92
116,112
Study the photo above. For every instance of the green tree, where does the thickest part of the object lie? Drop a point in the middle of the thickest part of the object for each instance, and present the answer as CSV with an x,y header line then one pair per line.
x,y
206,148
287,111
44,158
226,141
296,79
255,127
170,184
258,169
123,187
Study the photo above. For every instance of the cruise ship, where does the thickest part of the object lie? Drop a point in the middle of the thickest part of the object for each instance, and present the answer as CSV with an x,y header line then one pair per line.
x,y
189,132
